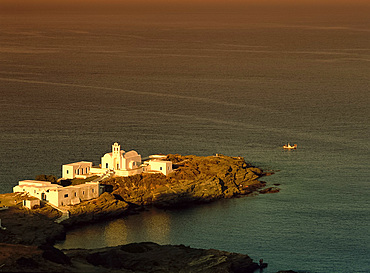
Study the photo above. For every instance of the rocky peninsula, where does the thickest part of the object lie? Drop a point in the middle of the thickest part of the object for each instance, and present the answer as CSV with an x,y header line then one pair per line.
x,y
195,180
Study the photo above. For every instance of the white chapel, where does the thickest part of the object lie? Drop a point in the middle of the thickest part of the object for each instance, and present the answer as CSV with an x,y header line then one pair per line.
x,y
122,163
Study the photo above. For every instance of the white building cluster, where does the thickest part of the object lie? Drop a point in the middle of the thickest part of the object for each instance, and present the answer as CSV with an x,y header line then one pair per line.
x,y
58,195
120,163
116,163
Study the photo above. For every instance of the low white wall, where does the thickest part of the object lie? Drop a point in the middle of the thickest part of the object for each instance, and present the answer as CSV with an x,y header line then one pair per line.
x,y
31,203
128,172
98,170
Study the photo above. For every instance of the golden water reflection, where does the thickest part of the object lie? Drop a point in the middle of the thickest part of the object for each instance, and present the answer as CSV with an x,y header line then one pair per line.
x,y
153,225
115,231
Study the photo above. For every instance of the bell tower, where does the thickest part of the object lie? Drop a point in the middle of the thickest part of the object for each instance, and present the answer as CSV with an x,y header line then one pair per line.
x,y
116,148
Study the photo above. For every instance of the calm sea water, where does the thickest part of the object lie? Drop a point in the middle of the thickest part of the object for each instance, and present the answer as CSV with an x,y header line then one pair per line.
x,y
236,84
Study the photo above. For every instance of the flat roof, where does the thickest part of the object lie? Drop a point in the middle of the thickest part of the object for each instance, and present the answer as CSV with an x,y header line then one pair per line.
x,y
77,163
35,182
38,184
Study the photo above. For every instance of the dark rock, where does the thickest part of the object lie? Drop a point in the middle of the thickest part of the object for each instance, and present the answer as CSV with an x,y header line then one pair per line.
x,y
136,248
27,227
27,262
95,259
243,267
269,190
151,257
263,265
54,255
108,259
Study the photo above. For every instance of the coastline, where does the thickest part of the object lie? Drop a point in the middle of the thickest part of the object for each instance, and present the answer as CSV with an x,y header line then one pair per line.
x,y
196,180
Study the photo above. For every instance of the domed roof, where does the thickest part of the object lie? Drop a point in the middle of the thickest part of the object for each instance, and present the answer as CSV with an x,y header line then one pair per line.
x,y
131,154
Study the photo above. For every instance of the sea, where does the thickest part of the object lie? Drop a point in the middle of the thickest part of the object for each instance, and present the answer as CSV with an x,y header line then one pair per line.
x,y
238,83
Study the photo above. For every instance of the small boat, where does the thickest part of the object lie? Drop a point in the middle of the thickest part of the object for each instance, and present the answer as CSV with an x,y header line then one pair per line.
x,y
288,147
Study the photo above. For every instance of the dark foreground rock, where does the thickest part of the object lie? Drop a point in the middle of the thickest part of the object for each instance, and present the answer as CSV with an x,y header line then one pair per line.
x,y
151,257
22,258
29,227
137,257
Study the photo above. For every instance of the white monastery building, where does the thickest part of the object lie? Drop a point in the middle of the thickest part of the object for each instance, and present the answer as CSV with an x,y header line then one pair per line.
x,y
156,163
116,163
76,170
58,195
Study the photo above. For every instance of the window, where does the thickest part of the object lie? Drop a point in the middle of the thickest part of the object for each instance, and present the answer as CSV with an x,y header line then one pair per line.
x,y
92,190
66,195
87,170
83,192
75,193
160,168
106,165
67,171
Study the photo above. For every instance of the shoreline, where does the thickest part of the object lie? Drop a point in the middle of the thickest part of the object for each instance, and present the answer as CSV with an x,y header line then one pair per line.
x,y
196,180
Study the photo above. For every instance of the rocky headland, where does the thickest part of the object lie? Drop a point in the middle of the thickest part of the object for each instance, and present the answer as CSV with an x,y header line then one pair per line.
x,y
195,180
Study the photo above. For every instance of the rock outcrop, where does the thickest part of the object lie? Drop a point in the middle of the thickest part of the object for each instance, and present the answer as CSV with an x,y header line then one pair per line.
x,y
136,257
151,257
194,180
270,190
107,206
30,227
22,258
